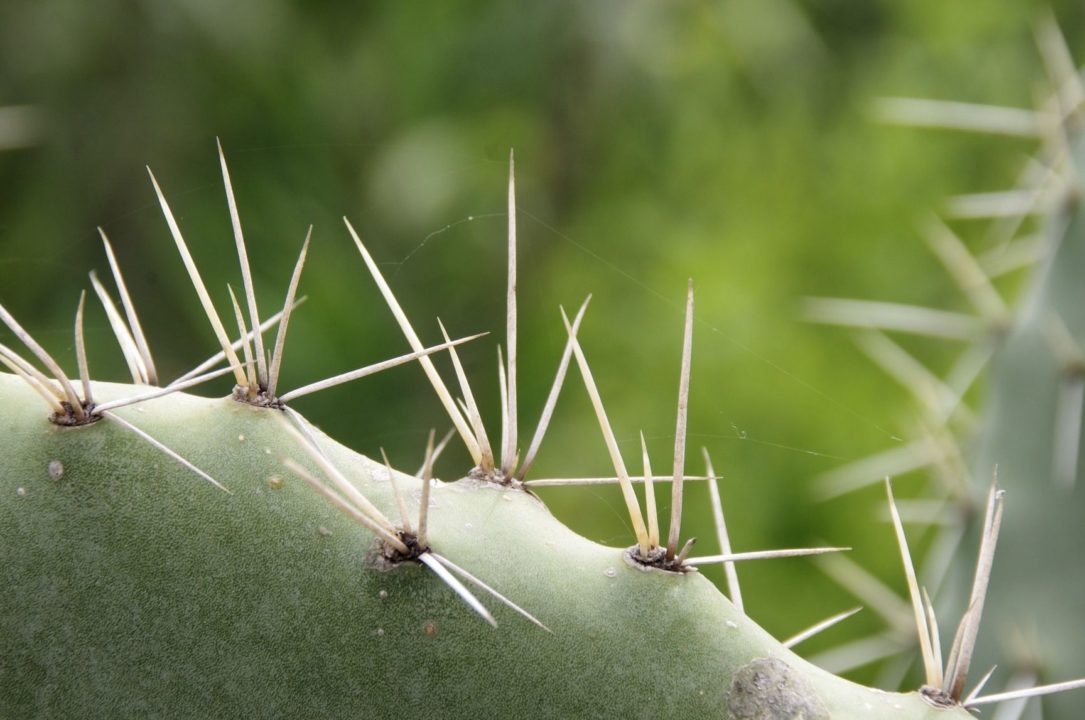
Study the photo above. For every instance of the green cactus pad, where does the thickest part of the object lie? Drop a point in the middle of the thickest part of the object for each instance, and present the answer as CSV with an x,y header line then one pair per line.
x,y
134,588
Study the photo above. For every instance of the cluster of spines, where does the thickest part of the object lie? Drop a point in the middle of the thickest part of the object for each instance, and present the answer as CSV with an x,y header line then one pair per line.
x,y
256,371
1046,184
257,376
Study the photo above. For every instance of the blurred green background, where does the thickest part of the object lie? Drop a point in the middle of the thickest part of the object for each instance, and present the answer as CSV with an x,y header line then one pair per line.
x,y
727,141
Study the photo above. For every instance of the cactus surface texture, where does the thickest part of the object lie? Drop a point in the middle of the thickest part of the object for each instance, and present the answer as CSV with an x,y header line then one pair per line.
x,y
134,588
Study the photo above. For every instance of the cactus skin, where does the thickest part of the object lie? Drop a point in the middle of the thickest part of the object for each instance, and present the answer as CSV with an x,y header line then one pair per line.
x,y
132,588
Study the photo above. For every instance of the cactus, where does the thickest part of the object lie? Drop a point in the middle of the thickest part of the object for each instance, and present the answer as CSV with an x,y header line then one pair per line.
x,y
135,588
170,555
1029,433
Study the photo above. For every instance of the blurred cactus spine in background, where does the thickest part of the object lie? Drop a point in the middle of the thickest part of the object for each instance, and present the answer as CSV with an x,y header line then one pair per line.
x,y
1029,354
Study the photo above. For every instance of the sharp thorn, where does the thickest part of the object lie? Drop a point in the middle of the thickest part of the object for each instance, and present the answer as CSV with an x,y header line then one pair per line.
x,y
288,306
552,398
731,573
819,627
457,587
345,507
957,672
427,480
1028,692
46,359
631,503
136,365
197,283
161,392
345,486
81,351
503,396
246,273
979,686
501,598
163,448
649,495
933,674
508,453
441,445
35,380
935,636
763,555
302,426
680,558
472,412
680,429
220,355
372,369
412,338
613,480
140,340
251,385
404,519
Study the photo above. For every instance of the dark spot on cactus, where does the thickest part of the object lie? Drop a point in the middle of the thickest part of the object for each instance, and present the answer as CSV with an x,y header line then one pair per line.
x,y
261,399
429,629
656,560
768,689
275,482
384,557
496,477
937,697
69,419
56,469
